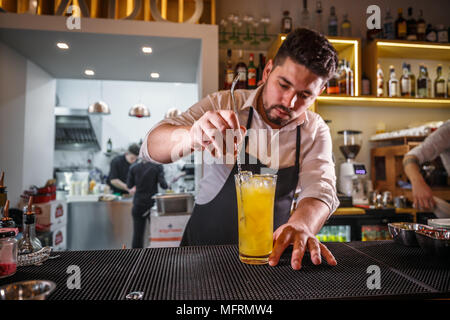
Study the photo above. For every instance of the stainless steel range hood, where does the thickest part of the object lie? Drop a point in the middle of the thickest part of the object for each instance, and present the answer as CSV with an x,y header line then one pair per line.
x,y
77,130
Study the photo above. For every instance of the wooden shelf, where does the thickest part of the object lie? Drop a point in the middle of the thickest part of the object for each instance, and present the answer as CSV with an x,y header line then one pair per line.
x,y
412,50
370,101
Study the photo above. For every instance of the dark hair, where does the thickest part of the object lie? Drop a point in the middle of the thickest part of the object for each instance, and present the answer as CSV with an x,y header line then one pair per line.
x,y
310,49
134,149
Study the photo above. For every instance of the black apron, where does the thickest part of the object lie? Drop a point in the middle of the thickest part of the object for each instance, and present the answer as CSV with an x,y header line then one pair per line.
x,y
216,222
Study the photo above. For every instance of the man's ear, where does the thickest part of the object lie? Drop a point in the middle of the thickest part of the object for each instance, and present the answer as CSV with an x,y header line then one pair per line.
x,y
267,70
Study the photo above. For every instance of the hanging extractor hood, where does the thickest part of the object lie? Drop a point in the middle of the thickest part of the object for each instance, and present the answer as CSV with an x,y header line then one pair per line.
x,y
77,130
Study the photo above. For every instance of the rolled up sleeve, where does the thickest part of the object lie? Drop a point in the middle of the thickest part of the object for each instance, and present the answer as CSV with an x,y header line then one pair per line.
x,y
317,178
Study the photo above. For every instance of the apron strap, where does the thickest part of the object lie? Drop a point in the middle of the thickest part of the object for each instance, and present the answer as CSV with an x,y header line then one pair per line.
x,y
297,150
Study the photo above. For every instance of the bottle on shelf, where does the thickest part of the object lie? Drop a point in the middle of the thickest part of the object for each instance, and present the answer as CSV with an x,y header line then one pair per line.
x,y
388,26
241,69
260,70
305,18
411,26
318,24
422,83
431,34
400,26
343,77
439,84
346,27
365,85
429,84
286,22
442,34
332,23
421,27
351,78
380,81
413,81
448,83
7,224
229,72
333,84
29,243
393,85
251,73
109,146
405,82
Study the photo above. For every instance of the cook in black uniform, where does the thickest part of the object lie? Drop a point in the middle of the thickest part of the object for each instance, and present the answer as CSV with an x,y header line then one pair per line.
x,y
144,176
118,173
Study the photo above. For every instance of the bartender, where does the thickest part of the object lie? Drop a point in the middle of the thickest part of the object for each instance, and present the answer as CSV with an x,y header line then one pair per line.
x,y
435,145
118,173
144,176
291,83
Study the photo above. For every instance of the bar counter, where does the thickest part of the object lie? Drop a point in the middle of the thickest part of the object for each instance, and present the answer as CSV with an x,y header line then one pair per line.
x,y
215,273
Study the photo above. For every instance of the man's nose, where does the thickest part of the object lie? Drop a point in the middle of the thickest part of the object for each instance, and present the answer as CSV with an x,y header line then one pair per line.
x,y
290,99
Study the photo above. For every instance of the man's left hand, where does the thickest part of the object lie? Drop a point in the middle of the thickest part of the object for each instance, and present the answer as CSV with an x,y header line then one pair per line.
x,y
302,239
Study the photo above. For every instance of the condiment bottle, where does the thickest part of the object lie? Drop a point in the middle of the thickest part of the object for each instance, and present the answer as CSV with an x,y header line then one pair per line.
x,y
8,254
3,193
7,223
29,242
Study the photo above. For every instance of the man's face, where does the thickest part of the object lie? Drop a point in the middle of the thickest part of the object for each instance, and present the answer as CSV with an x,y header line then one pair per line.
x,y
131,158
289,90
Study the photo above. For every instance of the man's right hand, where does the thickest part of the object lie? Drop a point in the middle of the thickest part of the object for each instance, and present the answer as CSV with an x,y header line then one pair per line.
x,y
422,195
210,132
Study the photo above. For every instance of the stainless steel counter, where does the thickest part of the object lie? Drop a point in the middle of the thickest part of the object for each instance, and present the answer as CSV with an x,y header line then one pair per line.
x,y
100,225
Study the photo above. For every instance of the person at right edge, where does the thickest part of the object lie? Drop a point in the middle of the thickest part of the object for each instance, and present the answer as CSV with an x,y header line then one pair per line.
x,y
278,108
435,145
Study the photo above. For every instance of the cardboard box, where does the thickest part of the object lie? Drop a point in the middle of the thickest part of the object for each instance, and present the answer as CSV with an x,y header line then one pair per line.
x,y
167,230
51,215
57,239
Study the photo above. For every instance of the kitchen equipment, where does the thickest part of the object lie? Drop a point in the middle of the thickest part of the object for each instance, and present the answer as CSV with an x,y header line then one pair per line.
x,y
400,202
439,223
435,242
27,290
8,253
404,233
352,174
387,198
174,203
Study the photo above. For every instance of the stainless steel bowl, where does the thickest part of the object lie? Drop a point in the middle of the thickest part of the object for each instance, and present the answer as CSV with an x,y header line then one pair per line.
x,y
27,290
404,233
174,203
435,242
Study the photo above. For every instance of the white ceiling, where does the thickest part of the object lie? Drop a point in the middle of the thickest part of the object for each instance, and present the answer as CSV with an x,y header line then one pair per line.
x,y
112,57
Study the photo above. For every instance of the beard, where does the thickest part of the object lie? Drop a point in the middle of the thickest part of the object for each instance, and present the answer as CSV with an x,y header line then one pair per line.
x,y
278,120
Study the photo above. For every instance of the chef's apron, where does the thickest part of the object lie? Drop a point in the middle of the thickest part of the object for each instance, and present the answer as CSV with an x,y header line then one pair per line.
x,y
216,222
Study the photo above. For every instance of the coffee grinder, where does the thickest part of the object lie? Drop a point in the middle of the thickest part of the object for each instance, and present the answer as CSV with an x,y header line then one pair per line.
x,y
352,174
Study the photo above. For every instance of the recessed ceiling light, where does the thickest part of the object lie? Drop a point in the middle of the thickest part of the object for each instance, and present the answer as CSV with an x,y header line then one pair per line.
x,y
62,45
147,50
89,72
154,75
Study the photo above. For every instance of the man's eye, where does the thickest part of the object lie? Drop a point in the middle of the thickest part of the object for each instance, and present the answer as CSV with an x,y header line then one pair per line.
x,y
283,85
304,97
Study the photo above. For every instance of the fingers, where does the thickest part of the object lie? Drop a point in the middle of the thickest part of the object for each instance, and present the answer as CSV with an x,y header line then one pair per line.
x,y
314,250
281,243
297,254
331,260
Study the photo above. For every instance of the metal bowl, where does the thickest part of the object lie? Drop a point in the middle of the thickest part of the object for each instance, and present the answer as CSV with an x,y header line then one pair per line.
x,y
404,233
434,241
27,290
174,203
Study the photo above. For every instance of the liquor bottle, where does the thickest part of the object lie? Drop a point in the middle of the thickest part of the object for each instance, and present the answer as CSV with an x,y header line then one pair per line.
x,y
365,85
392,83
251,71
400,26
388,26
413,81
429,84
343,78
286,22
405,82
380,81
29,243
332,22
260,70
439,84
241,70
421,27
333,84
431,34
350,81
346,27
109,146
442,34
318,24
305,19
228,72
448,83
422,83
411,26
